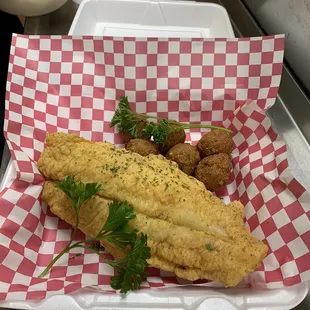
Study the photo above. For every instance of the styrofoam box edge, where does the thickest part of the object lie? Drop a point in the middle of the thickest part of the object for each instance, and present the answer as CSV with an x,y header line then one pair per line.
x,y
151,18
178,298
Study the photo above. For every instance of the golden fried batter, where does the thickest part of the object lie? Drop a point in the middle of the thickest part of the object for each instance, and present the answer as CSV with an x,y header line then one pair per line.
x,y
190,231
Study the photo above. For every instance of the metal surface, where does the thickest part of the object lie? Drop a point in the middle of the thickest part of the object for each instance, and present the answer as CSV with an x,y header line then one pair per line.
x,y
287,114
5,161
57,22
291,17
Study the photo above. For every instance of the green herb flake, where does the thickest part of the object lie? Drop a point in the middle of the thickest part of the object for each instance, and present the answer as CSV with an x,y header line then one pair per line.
x,y
184,185
114,169
209,247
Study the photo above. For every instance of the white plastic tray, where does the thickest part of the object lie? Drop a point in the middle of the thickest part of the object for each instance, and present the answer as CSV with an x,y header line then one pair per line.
x,y
149,18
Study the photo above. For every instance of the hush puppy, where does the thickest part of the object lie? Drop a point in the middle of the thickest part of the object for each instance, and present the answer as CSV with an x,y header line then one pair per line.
x,y
175,137
126,137
214,171
215,142
142,147
186,156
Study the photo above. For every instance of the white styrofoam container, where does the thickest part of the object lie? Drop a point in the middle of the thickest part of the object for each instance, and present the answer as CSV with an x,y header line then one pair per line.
x,y
151,18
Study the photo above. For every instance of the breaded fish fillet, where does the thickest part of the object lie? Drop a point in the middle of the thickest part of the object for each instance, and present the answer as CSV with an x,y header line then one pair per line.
x,y
190,231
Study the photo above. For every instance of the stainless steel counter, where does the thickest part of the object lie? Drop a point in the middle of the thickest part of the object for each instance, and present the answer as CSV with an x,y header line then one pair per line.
x,y
287,117
293,18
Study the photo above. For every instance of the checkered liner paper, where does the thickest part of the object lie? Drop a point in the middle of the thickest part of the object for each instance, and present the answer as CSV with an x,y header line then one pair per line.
x,y
72,84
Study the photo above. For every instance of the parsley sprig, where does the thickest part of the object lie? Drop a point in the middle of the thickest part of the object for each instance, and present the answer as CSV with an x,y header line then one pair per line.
x,y
78,194
127,121
130,269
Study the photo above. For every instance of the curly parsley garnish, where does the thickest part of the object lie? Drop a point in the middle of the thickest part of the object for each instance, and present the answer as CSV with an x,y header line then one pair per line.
x,y
127,121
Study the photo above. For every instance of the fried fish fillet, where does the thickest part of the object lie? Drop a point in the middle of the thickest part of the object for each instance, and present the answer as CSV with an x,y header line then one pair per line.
x,y
190,232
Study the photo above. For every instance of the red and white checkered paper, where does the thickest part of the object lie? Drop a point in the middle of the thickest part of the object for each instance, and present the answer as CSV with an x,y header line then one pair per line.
x,y
72,84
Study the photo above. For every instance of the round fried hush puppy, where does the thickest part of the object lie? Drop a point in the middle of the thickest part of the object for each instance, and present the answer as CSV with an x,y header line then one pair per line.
x,y
214,171
126,137
142,147
215,142
175,137
186,156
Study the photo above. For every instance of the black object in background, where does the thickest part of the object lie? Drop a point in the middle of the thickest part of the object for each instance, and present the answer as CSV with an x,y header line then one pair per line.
x,y
8,24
